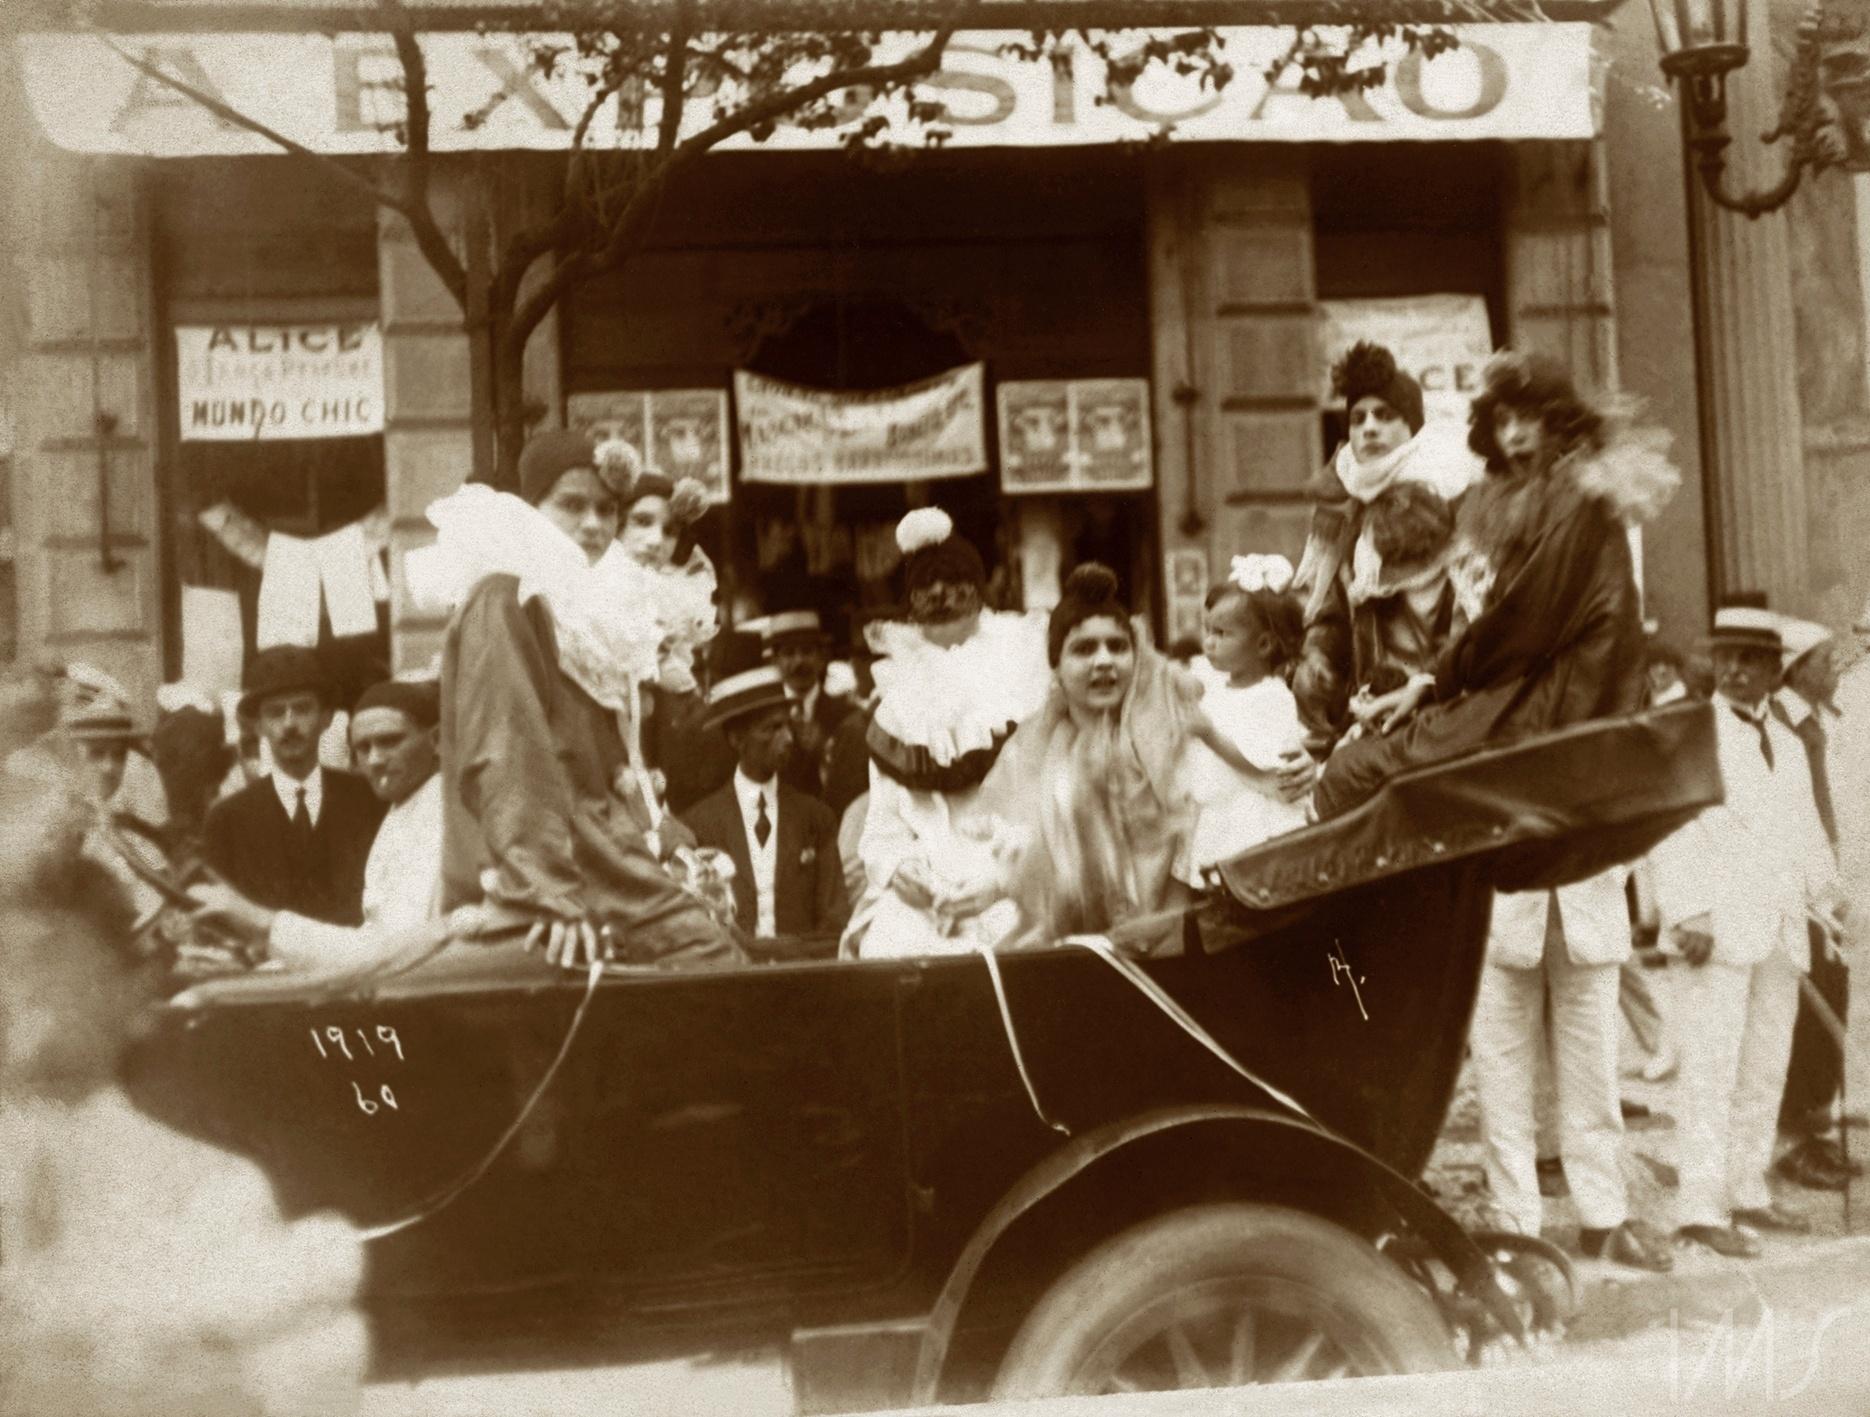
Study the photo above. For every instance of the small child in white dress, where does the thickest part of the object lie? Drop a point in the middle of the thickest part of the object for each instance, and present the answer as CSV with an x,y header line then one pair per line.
x,y
1251,630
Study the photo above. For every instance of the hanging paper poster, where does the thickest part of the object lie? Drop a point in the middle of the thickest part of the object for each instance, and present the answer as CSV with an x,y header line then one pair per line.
x,y
1077,435
1186,571
1445,341
680,432
211,639
792,434
261,383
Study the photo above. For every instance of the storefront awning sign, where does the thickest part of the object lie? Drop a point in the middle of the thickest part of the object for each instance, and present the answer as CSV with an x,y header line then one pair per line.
x,y
1443,340
793,435
341,94
243,383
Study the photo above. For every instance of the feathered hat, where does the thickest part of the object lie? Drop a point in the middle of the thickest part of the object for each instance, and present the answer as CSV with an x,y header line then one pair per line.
x,y
933,551
1369,371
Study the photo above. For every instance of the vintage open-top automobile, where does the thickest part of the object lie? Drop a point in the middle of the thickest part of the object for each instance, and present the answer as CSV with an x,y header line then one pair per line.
x,y
1193,1169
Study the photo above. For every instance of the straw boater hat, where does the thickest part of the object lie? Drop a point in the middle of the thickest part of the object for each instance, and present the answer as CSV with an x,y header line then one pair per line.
x,y
1799,638
1745,623
101,720
743,695
788,627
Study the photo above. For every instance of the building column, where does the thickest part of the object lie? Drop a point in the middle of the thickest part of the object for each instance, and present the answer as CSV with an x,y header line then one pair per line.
x,y
1749,355
84,470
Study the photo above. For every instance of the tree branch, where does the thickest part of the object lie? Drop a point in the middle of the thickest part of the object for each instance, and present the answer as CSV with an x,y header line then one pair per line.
x,y
674,81
415,206
357,180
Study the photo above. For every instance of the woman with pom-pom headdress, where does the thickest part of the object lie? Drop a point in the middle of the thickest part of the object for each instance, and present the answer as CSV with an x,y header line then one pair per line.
x,y
546,807
1375,575
1543,573
952,681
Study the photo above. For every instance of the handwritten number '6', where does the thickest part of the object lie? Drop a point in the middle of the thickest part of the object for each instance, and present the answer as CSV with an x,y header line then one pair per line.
x,y
369,1106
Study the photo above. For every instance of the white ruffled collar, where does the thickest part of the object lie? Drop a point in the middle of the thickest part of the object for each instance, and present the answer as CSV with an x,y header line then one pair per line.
x,y
958,699
608,633
1437,458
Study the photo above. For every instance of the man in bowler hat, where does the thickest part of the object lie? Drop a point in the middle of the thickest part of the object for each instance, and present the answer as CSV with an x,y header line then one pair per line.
x,y
298,838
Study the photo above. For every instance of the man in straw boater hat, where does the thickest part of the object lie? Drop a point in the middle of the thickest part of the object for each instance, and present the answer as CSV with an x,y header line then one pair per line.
x,y
1735,888
788,881
795,642
298,838
1806,703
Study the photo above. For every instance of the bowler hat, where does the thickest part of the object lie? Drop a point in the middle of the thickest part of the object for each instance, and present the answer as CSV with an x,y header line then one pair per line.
x,y
283,669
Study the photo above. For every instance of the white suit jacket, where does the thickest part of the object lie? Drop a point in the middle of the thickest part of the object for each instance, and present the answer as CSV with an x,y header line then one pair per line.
x,y
1595,914
1754,862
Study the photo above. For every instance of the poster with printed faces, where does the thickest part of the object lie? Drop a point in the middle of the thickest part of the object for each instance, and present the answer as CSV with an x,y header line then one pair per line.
x,y
1075,435
1110,434
679,432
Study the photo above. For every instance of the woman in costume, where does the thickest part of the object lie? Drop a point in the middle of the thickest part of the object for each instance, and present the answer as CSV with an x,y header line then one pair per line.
x,y
1544,578
141,1271
549,645
1379,605
953,683
1094,819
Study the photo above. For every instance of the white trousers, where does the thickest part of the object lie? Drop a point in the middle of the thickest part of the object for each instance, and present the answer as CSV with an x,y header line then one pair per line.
x,y
1735,1031
1509,1037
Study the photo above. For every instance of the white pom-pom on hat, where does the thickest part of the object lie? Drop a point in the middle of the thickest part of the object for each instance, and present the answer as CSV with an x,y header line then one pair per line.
x,y
925,526
619,457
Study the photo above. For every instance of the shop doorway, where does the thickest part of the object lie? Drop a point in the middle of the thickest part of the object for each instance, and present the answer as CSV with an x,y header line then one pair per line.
x,y
832,549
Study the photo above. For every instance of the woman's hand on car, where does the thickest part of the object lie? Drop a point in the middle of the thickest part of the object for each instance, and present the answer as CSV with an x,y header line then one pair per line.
x,y
1407,700
1294,776
574,944
914,883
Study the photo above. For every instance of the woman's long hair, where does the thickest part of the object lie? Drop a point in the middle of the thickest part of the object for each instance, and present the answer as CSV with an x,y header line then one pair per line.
x,y
1102,792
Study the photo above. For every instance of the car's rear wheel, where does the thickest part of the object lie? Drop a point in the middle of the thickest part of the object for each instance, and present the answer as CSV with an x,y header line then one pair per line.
x,y
1222,1296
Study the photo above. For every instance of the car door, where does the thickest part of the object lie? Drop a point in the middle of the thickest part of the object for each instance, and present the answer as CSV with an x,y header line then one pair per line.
x,y
708,1138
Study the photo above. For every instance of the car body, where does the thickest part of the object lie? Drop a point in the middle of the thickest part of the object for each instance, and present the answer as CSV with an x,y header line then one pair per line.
x,y
852,1156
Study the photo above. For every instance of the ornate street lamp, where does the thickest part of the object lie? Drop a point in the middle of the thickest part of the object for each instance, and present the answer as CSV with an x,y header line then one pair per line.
x,y
1826,114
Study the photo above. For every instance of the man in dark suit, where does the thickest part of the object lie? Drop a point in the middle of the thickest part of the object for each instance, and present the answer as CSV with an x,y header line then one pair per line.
x,y
298,838
795,643
788,883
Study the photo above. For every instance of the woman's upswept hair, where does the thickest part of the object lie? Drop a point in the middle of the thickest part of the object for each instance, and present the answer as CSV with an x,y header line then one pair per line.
x,y
1534,382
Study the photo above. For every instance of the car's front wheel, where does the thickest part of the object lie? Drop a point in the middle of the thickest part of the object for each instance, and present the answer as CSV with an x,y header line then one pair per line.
x,y
1221,1296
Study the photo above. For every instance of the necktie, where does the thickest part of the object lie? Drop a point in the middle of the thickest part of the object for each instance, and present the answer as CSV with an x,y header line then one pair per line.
x,y
762,824
1812,733
1766,742
301,818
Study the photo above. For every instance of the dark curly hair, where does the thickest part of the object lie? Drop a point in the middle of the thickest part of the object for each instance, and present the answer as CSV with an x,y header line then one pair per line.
x,y
1090,591
1536,382
1276,613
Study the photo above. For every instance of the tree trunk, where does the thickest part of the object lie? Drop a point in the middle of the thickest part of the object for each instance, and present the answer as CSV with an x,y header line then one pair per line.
x,y
509,411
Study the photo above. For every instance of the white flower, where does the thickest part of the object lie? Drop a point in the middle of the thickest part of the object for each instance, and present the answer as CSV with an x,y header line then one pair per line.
x,y
1256,573
925,526
840,679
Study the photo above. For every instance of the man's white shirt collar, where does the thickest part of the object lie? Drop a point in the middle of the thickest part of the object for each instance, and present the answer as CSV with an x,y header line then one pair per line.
x,y
288,790
807,703
750,793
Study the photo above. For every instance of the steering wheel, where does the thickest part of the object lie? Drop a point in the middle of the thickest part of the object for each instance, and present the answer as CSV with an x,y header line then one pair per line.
x,y
193,951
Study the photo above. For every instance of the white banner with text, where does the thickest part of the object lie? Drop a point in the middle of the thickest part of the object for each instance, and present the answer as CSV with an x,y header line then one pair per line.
x,y
342,94
791,434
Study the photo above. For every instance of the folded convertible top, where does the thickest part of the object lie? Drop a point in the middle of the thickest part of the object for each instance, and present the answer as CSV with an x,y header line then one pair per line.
x,y
1546,810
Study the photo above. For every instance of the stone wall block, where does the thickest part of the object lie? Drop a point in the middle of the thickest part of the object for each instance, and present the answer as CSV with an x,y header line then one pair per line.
x,y
1272,450
66,484
63,392
75,297
1261,263
426,376
86,600
422,464
1268,356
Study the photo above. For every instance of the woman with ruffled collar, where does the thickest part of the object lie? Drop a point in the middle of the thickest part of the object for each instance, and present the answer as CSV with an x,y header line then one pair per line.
x,y
952,683
550,641
1543,576
1378,602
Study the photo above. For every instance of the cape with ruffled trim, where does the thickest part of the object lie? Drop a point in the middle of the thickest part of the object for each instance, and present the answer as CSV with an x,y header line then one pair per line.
x,y
944,712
